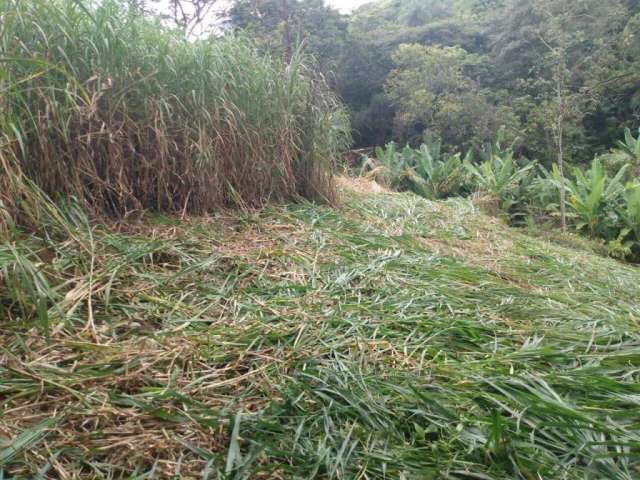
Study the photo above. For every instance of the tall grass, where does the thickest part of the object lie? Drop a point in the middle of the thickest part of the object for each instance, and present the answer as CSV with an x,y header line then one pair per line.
x,y
99,103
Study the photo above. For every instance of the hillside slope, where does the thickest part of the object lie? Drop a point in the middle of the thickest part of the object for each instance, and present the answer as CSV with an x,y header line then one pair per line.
x,y
392,337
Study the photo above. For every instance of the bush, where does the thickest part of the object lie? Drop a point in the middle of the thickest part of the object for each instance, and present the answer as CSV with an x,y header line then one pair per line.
x,y
627,244
104,105
630,146
627,152
593,198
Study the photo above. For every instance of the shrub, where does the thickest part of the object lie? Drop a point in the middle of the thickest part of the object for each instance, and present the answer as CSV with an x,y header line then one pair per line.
x,y
627,244
104,105
542,195
599,205
388,167
627,152
442,175
630,146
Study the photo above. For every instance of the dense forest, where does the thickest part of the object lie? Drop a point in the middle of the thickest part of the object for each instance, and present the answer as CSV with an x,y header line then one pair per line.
x,y
460,70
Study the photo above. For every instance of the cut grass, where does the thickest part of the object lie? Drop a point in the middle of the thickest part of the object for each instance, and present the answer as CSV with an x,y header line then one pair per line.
x,y
392,338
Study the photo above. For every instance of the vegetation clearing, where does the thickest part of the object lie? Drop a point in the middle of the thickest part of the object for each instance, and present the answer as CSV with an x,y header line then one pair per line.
x,y
396,337
146,331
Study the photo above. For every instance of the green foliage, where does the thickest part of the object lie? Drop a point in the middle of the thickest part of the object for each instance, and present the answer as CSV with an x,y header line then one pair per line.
x,y
626,152
464,68
630,146
593,196
505,76
631,214
442,174
542,196
599,205
391,165
432,90
278,25
500,176
427,171
627,244
395,338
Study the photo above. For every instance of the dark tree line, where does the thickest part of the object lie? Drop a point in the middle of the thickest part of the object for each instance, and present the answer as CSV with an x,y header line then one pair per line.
x,y
561,77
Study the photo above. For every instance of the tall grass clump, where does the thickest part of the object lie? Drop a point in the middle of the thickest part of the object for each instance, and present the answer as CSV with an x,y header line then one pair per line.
x,y
104,105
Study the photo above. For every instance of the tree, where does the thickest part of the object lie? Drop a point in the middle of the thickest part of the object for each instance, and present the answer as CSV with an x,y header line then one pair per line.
x,y
193,17
575,34
376,30
433,90
280,24
520,55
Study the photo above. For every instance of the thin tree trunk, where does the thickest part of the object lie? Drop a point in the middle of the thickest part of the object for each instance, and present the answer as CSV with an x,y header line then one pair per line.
x,y
563,202
560,133
287,31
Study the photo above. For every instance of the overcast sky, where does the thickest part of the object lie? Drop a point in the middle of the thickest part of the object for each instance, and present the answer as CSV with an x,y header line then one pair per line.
x,y
346,5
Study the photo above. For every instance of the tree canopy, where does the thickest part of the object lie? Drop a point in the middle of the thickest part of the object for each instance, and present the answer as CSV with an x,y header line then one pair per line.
x,y
461,70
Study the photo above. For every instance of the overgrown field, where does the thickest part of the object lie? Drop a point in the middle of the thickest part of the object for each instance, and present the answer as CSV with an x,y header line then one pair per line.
x,y
393,338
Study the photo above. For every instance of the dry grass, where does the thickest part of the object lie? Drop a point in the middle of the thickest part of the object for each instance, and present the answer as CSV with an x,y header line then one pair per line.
x,y
361,185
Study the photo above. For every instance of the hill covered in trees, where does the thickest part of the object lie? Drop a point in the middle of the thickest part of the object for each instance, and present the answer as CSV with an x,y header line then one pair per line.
x,y
459,70
541,98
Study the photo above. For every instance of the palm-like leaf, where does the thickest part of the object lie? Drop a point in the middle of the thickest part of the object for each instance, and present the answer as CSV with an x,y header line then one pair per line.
x,y
631,145
426,171
500,176
593,198
631,213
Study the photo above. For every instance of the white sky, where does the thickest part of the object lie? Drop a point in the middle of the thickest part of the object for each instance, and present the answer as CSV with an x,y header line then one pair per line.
x,y
346,5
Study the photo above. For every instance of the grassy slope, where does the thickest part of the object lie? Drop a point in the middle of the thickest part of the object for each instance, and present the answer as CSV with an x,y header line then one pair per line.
x,y
393,338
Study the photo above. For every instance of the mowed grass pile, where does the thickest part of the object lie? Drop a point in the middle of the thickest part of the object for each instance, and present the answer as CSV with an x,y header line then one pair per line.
x,y
394,338
102,104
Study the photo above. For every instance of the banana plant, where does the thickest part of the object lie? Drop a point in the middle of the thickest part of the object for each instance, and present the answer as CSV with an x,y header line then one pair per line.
x,y
497,148
388,154
630,146
500,176
442,175
593,197
627,245
391,166
427,171
542,193
631,214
